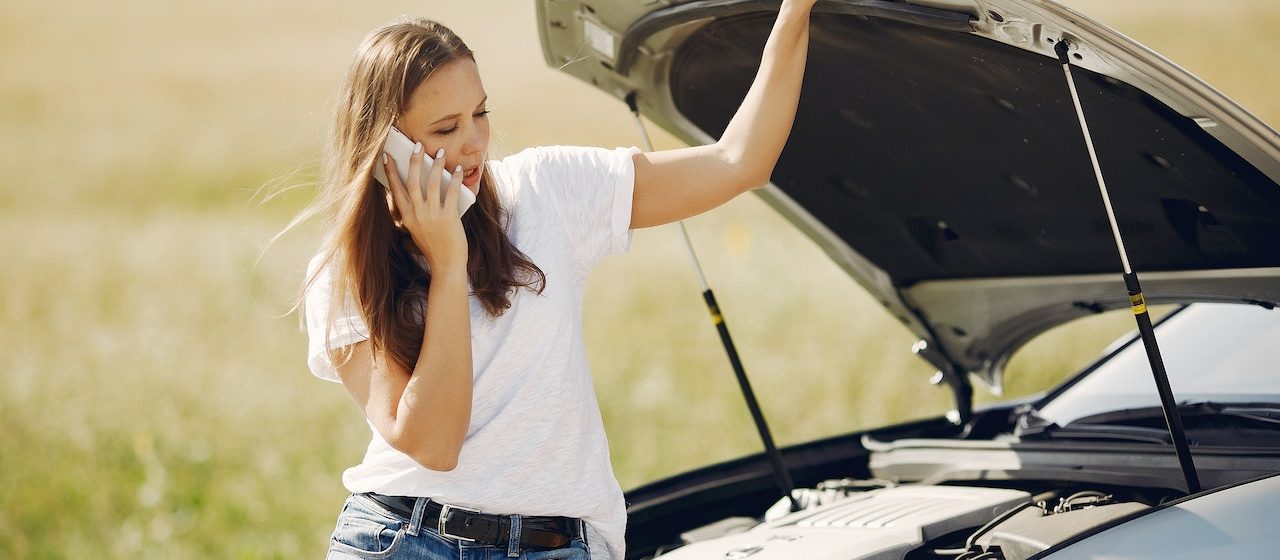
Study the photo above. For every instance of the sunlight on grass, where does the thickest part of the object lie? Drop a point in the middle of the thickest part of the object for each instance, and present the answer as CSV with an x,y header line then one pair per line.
x,y
155,399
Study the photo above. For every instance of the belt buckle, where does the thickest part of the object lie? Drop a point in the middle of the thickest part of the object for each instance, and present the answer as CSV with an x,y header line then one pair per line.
x,y
441,524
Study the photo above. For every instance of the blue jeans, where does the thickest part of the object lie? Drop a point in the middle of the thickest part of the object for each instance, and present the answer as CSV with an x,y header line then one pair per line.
x,y
366,530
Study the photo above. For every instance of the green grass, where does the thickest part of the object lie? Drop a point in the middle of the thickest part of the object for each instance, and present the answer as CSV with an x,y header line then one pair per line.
x,y
154,399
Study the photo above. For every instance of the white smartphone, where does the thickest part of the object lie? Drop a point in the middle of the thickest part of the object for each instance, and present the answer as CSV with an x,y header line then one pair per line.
x,y
400,148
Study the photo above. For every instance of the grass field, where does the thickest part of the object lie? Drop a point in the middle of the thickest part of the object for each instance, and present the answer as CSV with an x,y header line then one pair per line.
x,y
154,400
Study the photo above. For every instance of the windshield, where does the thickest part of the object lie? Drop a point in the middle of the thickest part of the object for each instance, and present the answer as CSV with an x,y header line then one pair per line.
x,y
1225,353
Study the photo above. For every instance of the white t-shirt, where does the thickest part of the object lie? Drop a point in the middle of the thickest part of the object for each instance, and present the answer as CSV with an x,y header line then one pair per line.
x,y
536,443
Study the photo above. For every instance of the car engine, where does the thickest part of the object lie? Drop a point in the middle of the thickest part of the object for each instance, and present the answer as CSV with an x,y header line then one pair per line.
x,y
842,520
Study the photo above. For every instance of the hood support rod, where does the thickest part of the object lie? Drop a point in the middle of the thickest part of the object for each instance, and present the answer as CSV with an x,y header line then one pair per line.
x,y
1136,300
780,474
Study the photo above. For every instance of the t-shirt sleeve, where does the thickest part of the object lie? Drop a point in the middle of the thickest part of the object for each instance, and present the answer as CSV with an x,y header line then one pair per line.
x,y
348,328
591,189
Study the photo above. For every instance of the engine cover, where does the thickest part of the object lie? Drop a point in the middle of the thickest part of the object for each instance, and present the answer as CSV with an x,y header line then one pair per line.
x,y
877,524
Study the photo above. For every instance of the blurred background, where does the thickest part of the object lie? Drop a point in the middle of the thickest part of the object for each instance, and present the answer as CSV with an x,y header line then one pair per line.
x,y
154,397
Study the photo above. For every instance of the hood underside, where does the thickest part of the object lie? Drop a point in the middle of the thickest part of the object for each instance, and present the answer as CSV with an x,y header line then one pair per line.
x,y
937,157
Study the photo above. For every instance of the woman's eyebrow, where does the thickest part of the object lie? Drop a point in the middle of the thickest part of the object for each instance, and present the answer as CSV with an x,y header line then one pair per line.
x,y
456,115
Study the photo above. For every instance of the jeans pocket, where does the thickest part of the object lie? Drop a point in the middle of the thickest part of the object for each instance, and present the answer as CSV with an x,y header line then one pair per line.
x,y
365,537
575,550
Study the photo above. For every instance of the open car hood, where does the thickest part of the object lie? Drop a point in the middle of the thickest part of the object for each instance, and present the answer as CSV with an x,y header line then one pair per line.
x,y
937,158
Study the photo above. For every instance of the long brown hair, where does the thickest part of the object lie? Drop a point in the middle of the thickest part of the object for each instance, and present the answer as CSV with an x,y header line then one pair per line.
x,y
370,258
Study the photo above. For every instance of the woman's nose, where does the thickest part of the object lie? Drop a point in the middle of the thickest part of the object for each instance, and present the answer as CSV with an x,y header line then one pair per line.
x,y
474,142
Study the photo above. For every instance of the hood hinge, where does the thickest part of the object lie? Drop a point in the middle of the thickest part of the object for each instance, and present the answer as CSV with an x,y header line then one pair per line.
x,y
956,378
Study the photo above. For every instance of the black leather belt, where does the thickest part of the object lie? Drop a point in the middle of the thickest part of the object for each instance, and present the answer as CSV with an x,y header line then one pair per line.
x,y
485,528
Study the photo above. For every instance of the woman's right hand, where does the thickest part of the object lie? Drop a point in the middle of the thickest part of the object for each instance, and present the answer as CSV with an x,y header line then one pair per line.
x,y
435,225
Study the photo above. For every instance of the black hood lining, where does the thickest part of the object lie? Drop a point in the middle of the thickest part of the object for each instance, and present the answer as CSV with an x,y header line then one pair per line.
x,y
938,154
640,30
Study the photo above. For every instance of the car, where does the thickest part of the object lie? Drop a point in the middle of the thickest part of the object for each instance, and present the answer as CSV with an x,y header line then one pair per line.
x,y
939,159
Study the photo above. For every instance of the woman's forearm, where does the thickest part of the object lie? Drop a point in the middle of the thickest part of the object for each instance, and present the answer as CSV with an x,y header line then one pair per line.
x,y
435,410
675,184
754,138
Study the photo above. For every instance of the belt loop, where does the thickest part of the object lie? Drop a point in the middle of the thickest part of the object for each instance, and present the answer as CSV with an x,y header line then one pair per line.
x,y
513,541
415,523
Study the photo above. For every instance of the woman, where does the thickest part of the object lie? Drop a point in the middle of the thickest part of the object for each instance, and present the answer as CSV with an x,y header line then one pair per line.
x,y
459,334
